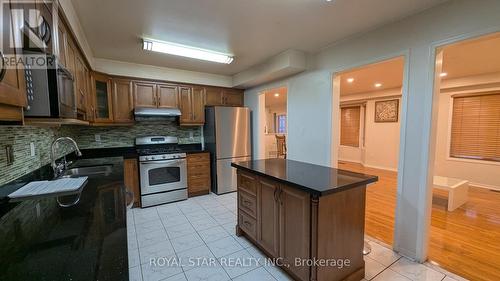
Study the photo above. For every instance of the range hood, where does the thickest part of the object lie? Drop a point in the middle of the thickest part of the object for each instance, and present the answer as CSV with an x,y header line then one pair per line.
x,y
157,112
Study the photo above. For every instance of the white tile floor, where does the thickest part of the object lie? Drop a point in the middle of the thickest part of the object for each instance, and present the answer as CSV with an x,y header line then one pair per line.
x,y
166,241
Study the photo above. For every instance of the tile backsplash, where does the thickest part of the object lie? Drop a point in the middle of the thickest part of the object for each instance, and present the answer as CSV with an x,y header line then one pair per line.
x,y
123,136
20,138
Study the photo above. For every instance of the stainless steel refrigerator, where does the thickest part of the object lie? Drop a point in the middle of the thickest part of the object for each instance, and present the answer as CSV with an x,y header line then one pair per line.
x,y
227,137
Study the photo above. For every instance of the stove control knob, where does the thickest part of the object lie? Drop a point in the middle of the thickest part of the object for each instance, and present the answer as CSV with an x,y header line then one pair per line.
x,y
164,157
149,158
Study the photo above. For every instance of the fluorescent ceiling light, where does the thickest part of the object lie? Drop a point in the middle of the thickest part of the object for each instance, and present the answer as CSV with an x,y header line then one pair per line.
x,y
350,80
185,51
443,74
378,85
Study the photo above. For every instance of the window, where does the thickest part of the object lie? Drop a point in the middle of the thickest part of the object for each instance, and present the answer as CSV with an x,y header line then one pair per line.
x,y
475,127
349,126
281,124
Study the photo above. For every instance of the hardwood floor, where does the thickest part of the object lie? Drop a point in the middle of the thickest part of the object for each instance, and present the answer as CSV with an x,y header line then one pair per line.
x,y
465,241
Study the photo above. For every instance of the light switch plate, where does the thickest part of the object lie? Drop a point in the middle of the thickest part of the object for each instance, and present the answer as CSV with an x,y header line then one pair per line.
x,y
32,149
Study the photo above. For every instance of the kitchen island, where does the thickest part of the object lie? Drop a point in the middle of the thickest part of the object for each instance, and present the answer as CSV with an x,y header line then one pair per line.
x,y
308,219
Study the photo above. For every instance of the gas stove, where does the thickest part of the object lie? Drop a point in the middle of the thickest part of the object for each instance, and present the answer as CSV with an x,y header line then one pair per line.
x,y
163,170
156,148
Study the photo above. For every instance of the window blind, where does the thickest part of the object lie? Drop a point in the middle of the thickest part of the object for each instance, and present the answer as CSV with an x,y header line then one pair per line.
x,y
475,129
349,126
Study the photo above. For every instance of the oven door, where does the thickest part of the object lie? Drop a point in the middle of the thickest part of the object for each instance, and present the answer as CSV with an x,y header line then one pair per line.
x,y
161,176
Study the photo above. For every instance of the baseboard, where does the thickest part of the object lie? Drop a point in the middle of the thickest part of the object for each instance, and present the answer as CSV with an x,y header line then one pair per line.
x,y
485,186
369,166
381,168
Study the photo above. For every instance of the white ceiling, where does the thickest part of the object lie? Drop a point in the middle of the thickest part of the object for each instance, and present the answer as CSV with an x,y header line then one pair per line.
x,y
388,73
251,30
472,57
276,101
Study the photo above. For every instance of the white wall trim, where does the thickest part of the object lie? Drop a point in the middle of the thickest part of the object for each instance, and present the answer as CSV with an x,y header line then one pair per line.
x,y
381,168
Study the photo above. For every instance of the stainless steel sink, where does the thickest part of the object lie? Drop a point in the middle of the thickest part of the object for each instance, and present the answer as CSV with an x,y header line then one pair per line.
x,y
88,171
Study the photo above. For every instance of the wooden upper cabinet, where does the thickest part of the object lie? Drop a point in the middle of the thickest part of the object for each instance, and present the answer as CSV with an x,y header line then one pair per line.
x,y
123,101
198,104
81,83
213,96
145,94
102,98
185,105
12,81
232,97
71,54
61,41
223,97
295,222
268,216
167,95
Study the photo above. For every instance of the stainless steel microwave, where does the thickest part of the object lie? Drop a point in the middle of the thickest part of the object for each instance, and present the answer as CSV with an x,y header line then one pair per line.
x,y
50,91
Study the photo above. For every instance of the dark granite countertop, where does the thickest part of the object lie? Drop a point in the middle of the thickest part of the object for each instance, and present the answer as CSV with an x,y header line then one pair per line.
x,y
130,151
39,240
315,179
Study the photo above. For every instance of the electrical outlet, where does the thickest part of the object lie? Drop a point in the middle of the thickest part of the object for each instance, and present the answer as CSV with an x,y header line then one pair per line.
x,y
32,149
191,136
98,138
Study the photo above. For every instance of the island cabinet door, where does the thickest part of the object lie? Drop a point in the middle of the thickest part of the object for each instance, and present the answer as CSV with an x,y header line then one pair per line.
x,y
294,218
268,216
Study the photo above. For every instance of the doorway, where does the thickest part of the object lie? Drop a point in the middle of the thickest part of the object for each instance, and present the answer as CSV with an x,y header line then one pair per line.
x,y
274,123
464,235
370,106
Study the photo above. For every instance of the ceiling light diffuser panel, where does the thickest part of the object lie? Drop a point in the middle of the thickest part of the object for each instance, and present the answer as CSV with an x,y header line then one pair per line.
x,y
186,51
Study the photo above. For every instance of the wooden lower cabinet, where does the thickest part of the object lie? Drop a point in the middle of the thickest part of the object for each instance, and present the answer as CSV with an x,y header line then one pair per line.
x,y
292,225
294,228
131,179
268,216
198,173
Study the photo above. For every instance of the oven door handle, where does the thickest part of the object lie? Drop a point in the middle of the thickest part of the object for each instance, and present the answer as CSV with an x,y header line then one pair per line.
x,y
172,163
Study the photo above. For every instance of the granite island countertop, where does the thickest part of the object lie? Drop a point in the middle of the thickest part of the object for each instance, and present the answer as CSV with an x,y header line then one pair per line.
x,y
39,240
315,179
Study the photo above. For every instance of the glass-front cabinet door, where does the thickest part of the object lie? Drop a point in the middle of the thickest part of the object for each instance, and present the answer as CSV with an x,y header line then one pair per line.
x,y
102,101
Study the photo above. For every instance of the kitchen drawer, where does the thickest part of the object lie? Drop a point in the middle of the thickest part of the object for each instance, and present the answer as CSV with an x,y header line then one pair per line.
x,y
198,158
198,169
247,182
247,224
247,203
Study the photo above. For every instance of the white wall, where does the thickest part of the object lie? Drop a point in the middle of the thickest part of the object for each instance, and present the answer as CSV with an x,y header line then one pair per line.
x,y
162,73
381,146
479,173
310,101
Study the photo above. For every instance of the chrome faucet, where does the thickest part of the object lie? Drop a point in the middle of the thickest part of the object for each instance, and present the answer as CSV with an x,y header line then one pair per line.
x,y
59,168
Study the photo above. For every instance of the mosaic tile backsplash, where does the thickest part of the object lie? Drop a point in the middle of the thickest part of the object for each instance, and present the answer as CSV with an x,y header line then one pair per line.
x,y
21,137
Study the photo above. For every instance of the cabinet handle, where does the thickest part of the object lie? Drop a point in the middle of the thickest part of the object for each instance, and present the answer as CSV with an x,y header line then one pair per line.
x,y
279,196
158,100
4,69
275,192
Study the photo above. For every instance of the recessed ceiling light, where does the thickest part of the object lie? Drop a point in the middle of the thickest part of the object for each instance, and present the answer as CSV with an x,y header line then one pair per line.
x,y
443,74
185,51
378,85
277,95
350,80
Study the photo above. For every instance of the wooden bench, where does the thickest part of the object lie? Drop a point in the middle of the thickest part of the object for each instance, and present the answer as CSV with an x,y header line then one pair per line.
x,y
457,190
